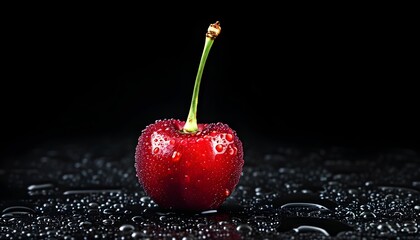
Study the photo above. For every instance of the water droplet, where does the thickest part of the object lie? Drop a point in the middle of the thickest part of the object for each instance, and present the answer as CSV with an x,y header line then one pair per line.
x,y
18,209
189,238
85,224
93,205
138,235
108,211
232,150
156,150
209,211
219,147
137,219
304,205
164,213
93,191
229,137
369,184
332,227
227,192
244,228
176,156
306,229
367,215
39,186
107,222
13,215
126,228
187,179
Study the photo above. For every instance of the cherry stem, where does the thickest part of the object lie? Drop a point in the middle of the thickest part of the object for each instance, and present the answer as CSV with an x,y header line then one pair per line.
x,y
191,125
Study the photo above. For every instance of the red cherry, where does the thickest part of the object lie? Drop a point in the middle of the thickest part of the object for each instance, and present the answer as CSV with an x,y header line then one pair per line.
x,y
189,166
188,171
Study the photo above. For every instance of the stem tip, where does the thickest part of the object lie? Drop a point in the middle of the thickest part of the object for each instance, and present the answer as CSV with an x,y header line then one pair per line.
x,y
214,30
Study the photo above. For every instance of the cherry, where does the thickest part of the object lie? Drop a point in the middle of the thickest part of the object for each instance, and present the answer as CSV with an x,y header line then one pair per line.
x,y
183,165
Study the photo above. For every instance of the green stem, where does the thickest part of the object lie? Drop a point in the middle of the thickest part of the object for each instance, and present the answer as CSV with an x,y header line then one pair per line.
x,y
191,125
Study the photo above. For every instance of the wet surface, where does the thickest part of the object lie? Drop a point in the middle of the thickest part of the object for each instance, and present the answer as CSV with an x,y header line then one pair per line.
x,y
89,189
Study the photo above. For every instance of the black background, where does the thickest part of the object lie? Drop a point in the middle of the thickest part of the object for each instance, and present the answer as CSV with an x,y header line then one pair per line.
x,y
342,76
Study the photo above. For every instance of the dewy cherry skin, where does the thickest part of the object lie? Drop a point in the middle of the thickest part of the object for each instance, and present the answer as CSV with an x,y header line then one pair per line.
x,y
183,165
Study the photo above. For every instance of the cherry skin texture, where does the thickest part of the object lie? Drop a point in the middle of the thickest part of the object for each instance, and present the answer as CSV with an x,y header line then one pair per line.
x,y
188,171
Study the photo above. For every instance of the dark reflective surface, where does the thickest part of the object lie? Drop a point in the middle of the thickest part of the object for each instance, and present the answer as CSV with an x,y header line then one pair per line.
x,y
88,188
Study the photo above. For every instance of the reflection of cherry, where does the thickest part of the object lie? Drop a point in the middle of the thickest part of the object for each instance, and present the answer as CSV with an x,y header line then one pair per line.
x,y
189,166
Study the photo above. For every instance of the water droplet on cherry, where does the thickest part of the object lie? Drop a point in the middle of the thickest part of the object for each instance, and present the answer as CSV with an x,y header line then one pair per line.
x,y
231,150
229,137
156,150
176,156
219,147
187,179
